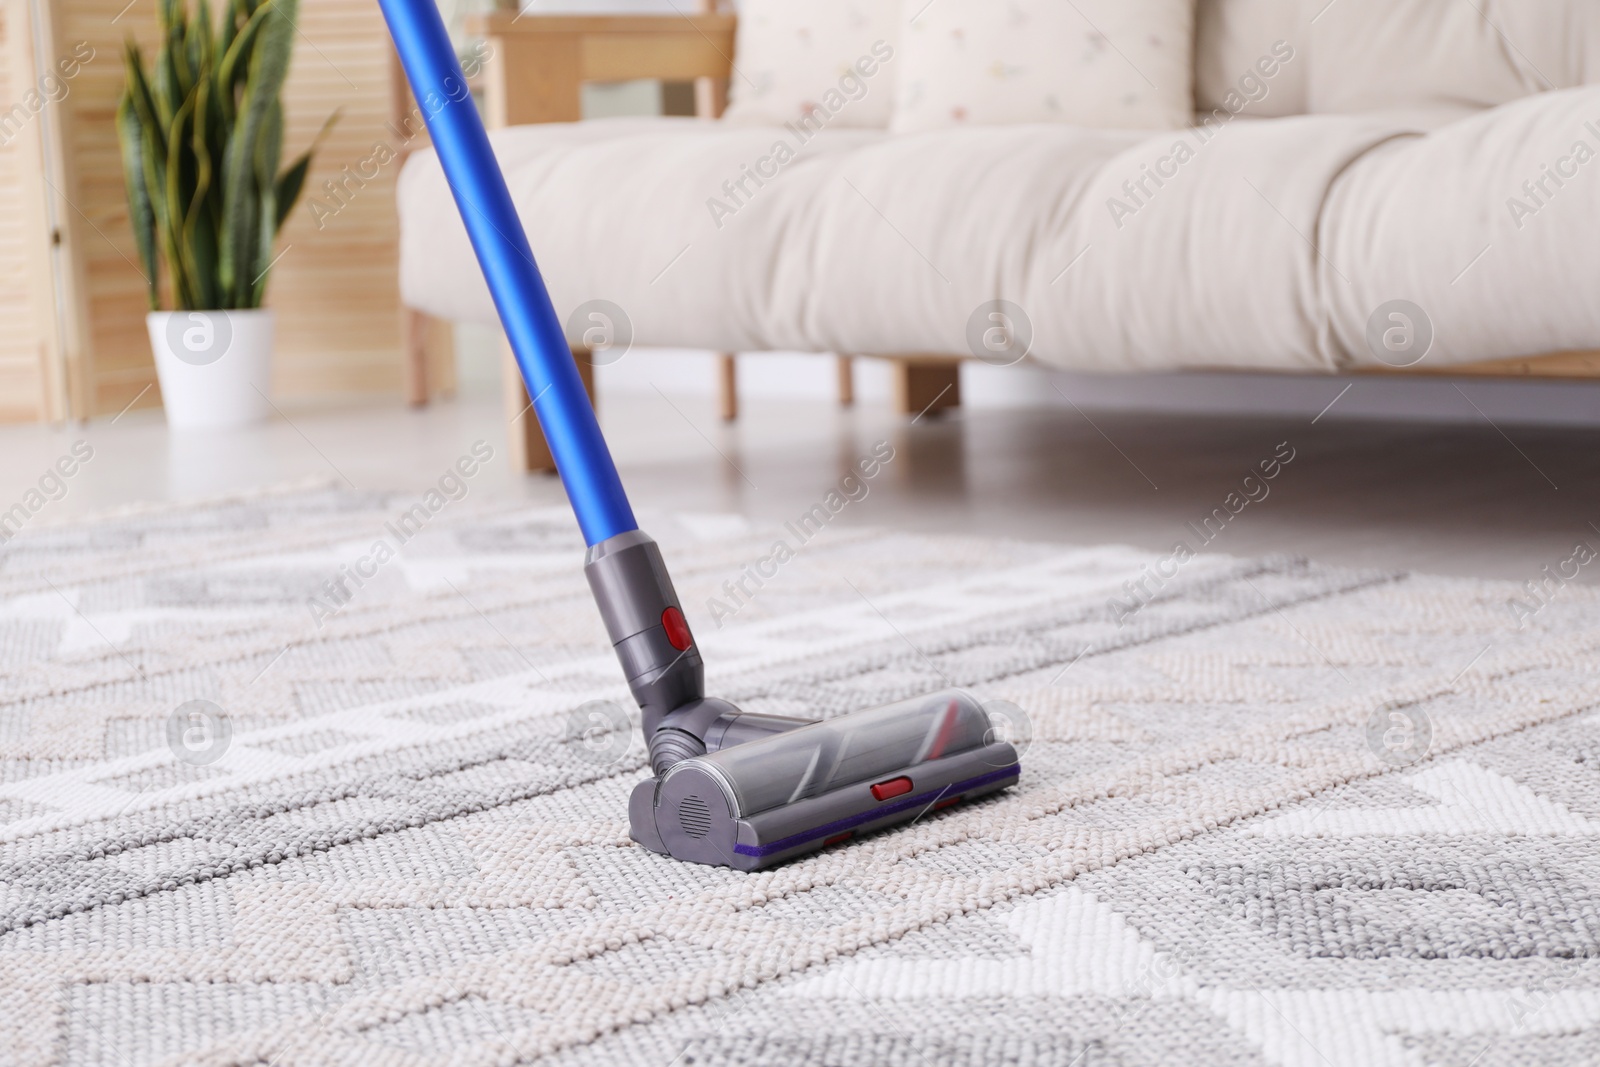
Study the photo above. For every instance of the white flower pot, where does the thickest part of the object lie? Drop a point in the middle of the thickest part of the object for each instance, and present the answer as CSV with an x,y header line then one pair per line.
x,y
214,366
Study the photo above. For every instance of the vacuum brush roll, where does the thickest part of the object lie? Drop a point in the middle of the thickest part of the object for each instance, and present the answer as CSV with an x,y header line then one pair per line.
x,y
760,803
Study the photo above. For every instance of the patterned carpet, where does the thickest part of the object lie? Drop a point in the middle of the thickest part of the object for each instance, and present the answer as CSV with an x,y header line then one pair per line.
x,y
1281,814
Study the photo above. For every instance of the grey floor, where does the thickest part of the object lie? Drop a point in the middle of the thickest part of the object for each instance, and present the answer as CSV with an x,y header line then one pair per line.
x,y
1466,499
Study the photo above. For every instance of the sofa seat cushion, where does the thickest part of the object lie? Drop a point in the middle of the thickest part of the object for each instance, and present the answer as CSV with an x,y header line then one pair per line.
x,y
1486,224
1266,244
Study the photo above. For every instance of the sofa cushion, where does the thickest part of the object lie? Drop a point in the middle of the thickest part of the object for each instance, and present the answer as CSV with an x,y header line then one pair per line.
x,y
823,59
1486,225
1111,64
1252,56
1265,244
1373,54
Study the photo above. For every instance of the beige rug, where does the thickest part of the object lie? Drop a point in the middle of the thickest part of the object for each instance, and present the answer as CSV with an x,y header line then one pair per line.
x,y
267,798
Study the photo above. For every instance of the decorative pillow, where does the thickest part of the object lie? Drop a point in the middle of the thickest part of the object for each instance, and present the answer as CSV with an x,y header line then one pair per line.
x,y
828,61
1124,64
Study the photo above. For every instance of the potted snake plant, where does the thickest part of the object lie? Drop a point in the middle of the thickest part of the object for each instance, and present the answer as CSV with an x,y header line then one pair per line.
x,y
201,134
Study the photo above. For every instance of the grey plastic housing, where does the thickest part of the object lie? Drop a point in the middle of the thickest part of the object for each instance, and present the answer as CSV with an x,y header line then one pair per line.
x,y
633,590
765,801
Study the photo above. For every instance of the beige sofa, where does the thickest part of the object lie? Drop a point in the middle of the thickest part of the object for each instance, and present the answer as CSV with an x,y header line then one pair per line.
x,y
1442,168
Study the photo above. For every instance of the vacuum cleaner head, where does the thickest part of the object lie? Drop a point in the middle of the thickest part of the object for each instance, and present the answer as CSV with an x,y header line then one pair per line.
x,y
766,801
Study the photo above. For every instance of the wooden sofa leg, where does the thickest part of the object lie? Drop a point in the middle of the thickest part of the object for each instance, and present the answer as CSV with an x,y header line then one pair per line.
x,y
710,94
926,386
847,381
415,329
710,97
728,385
528,451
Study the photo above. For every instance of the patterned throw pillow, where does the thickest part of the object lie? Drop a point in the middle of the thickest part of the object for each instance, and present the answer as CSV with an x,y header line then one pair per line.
x,y
831,61
1123,64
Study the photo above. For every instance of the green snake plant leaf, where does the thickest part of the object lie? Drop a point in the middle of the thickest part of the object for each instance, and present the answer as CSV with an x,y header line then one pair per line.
x,y
188,53
177,49
293,181
235,62
153,156
142,99
166,89
269,150
201,41
233,17
216,140
241,201
199,225
171,12
183,284
141,213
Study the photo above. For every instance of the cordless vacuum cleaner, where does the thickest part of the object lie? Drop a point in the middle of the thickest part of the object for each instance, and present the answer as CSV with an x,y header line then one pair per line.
x,y
730,788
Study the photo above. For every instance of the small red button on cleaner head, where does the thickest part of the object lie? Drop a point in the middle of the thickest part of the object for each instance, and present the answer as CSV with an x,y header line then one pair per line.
x,y
894,787
676,629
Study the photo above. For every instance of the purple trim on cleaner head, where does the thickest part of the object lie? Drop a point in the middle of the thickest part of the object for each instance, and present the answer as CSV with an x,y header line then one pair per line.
x,y
850,823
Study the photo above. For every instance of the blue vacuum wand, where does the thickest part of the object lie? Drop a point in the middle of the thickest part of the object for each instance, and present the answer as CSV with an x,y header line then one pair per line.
x,y
730,788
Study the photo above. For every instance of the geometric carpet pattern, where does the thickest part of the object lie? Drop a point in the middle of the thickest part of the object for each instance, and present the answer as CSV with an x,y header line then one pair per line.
x,y
268,799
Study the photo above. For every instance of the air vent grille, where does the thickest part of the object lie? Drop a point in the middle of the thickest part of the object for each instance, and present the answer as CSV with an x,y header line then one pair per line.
x,y
694,816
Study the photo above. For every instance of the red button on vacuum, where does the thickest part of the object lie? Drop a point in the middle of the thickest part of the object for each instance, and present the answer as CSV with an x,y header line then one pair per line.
x,y
677,629
894,787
